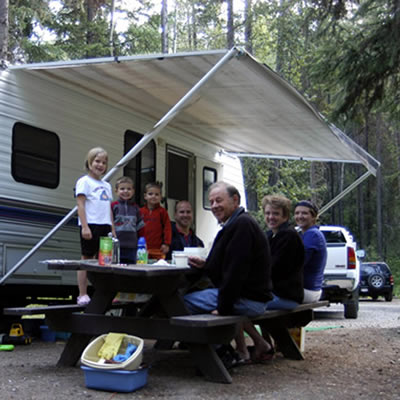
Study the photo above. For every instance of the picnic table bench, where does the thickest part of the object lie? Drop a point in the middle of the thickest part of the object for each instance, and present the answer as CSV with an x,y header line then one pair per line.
x,y
54,308
276,322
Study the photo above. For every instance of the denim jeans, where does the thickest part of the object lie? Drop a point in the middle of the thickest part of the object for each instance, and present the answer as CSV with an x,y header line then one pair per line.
x,y
205,301
279,303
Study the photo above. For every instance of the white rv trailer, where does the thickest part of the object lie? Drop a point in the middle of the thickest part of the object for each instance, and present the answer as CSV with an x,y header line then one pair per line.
x,y
180,119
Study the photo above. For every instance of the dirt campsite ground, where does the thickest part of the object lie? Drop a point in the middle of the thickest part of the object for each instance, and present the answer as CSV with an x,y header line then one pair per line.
x,y
347,359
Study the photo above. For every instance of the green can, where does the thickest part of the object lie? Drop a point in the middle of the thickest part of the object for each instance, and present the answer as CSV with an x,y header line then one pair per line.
x,y
105,250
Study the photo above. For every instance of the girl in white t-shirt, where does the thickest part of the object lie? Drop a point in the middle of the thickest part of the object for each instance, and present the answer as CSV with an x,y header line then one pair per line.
x,y
94,197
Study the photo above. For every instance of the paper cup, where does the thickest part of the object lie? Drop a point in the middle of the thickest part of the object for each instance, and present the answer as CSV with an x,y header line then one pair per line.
x,y
195,251
181,260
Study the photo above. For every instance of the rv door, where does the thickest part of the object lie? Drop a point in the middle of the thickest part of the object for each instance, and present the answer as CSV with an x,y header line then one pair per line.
x,y
179,179
207,172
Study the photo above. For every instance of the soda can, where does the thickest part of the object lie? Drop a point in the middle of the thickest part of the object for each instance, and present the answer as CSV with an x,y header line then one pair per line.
x,y
105,250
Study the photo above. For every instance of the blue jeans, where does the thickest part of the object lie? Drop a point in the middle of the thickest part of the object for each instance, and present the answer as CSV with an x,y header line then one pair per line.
x,y
205,301
279,303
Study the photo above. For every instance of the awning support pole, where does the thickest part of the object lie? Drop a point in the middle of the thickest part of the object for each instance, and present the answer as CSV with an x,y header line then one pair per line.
x,y
183,102
349,188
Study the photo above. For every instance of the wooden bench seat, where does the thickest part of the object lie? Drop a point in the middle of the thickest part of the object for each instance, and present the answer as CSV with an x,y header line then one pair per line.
x,y
302,307
59,308
273,322
205,320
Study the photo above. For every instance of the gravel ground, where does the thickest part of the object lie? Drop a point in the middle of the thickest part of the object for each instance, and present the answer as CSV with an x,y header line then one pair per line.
x,y
343,358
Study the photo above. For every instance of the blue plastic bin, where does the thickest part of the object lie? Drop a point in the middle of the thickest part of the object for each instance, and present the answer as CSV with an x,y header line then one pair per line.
x,y
116,380
47,335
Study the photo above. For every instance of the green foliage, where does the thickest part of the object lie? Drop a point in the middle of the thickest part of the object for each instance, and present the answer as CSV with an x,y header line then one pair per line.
x,y
141,38
394,264
25,17
361,55
78,35
281,177
197,25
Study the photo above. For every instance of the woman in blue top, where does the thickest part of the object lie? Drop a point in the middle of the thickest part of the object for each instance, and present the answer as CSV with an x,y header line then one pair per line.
x,y
305,215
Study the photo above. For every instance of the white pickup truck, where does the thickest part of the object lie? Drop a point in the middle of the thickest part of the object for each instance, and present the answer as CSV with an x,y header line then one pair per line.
x,y
342,271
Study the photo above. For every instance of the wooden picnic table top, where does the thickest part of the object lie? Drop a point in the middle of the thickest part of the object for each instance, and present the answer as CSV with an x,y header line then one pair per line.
x,y
151,270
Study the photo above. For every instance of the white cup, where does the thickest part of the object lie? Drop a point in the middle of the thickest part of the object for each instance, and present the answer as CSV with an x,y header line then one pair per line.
x,y
181,260
195,251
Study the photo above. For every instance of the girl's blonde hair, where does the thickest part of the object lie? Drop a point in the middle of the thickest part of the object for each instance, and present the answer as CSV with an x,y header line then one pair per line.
x,y
92,154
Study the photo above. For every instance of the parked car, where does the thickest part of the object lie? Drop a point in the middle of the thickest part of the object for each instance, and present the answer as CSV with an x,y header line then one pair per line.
x,y
376,279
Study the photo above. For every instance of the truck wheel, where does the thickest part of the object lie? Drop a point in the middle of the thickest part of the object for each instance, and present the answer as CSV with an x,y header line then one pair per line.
x,y
351,308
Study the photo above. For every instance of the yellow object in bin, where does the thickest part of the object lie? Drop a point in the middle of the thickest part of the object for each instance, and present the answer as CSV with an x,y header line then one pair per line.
x,y
111,345
91,358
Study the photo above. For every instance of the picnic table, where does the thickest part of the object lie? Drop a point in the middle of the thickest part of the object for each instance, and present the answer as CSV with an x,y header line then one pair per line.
x,y
163,318
154,322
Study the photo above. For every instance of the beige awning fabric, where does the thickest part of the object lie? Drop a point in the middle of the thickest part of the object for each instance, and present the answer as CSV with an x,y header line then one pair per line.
x,y
245,108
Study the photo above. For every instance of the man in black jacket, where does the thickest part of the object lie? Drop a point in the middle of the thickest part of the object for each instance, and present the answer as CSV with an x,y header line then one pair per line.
x,y
238,265
182,233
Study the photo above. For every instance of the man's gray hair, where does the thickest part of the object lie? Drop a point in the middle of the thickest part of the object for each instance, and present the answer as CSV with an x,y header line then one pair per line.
x,y
230,189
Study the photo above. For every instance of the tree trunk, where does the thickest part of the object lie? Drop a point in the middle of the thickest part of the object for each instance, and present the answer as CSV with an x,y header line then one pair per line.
x,y
331,185
360,211
341,186
91,12
397,134
280,58
189,27
3,33
230,33
368,215
112,26
164,26
274,173
194,29
248,27
175,31
312,180
379,231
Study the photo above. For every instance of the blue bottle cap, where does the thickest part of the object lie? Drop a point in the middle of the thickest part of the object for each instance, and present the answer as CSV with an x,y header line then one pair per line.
x,y
142,241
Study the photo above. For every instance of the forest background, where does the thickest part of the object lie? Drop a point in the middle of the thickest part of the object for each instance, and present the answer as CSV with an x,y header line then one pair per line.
x,y
342,55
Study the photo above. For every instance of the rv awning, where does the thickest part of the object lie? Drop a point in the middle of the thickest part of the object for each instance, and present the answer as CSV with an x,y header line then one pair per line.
x,y
244,108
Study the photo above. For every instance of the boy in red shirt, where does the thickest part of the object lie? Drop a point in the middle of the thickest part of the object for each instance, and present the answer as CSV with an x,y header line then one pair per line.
x,y
158,232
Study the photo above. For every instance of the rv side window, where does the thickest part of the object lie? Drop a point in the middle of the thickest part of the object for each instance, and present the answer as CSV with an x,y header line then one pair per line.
x,y
142,168
209,177
35,157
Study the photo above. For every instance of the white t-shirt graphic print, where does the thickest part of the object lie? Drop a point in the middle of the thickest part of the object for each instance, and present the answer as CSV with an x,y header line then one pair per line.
x,y
98,195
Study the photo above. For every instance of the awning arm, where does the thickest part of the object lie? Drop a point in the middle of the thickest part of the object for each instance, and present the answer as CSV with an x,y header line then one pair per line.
x,y
349,188
286,157
183,102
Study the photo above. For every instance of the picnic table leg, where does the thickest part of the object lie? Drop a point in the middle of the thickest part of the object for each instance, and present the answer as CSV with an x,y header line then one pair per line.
x,y
73,350
284,342
209,364
172,306
75,345
204,355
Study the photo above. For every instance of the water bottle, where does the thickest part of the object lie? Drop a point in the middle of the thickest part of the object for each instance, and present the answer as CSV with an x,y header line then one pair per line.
x,y
142,255
115,249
